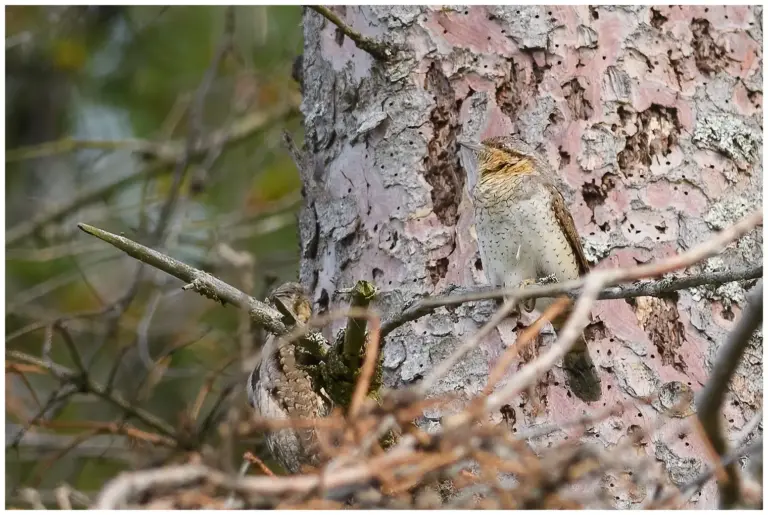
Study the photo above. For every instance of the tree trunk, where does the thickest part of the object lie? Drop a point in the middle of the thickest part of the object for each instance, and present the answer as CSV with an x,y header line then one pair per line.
x,y
653,117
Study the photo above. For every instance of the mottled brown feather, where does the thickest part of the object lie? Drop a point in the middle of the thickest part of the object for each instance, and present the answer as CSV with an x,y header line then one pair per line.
x,y
569,228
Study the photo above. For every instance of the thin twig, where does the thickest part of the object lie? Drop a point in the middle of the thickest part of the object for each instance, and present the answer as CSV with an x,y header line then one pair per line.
x,y
448,363
238,131
523,339
195,127
741,437
701,480
88,385
573,289
380,51
369,365
710,399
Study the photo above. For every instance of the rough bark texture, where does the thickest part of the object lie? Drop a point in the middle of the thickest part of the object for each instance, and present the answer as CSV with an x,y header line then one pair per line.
x,y
653,116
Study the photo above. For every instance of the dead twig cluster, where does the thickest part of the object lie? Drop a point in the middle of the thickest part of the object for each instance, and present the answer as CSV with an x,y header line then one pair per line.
x,y
470,461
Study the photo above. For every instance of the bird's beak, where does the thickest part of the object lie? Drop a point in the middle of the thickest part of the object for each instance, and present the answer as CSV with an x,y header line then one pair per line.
x,y
471,146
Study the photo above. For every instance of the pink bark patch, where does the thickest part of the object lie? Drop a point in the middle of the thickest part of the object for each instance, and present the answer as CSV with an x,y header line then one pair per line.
x,y
682,197
469,29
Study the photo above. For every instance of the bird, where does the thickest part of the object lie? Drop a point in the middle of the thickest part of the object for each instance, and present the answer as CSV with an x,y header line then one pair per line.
x,y
278,387
525,233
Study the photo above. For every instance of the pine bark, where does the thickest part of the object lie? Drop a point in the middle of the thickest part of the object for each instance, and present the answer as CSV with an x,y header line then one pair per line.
x,y
651,115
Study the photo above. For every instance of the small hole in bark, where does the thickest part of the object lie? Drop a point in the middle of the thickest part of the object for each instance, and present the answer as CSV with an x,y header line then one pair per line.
x,y
726,16
611,485
569,396
668,163
687,444
445,31
466,12
609,352
735,403
478,264
685,193
556,383
706,9
323,300
689,383
730,420
503,31
537,16
349,190
592,233
608,387
559,62
604,58
653,356
489,38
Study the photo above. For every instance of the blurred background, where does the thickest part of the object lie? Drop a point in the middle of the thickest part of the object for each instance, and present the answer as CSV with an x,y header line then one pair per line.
x,y
163,124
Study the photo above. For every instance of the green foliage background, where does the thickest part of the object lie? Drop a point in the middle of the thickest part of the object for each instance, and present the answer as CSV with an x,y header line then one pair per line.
x,y
115,74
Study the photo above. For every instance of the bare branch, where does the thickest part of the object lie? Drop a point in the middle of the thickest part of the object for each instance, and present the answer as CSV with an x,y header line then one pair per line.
x,y
238,131
710,399
88,385
197,280
380,51
656,288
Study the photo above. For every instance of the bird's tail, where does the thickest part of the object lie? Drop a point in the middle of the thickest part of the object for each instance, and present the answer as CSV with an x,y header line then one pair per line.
x,y
583,380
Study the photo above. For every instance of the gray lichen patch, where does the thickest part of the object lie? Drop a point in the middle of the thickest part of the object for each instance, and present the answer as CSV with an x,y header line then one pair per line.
x,y
730,136
729,211
681,470
598,148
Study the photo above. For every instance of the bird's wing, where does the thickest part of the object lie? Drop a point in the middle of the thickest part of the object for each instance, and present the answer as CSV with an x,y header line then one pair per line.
x,y
569,228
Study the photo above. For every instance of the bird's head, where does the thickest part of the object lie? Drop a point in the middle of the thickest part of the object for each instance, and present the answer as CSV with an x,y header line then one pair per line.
x,y
505,155
293,297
